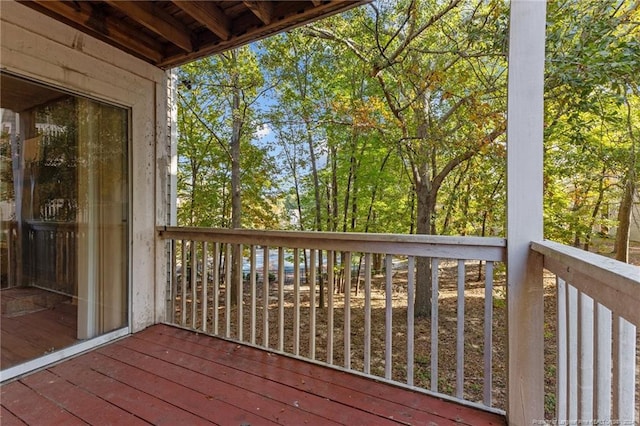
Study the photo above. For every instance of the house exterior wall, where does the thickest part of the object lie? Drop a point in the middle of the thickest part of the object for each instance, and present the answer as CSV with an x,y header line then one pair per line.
x,y
38,47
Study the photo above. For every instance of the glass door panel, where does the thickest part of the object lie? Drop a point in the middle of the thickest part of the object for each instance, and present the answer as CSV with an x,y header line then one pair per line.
x,y
64,215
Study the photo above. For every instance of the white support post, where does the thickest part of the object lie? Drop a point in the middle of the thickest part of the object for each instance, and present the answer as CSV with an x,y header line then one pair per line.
x,y
166,187
525,309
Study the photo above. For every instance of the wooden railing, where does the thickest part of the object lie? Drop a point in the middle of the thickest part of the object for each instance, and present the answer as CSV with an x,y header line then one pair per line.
x,y
50,259
9,254
46,256
346,300
598,310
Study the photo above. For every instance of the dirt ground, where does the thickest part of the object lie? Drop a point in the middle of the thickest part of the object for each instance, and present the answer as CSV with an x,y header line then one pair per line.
x,y
473,329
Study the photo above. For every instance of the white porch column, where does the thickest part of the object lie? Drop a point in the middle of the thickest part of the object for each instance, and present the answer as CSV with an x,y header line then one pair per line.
x,y
525,383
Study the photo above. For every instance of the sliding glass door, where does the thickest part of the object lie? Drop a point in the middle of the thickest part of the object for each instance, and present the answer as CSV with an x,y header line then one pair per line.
x,y
64,211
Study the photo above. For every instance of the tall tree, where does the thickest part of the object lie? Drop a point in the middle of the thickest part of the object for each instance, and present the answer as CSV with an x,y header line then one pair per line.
x,y
441,81
630,183
593,63
218,157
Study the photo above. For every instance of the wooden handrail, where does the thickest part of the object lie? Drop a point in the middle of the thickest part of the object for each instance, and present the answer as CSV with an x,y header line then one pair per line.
x,y
614,284
596,319
470,248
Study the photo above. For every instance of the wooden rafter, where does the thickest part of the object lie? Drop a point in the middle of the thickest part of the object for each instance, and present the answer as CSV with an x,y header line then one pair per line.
x,y
262,9
156,20
170,33
247,32
209,15
89,17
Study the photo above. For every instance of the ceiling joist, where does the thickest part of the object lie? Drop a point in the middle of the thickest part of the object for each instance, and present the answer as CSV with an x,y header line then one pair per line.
x,y
262,9
90,17
209,15
170,33
157,20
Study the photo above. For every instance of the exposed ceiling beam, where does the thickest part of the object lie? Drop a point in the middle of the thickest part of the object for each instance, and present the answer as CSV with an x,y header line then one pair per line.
x,y
248,32
90,17
209,15
262,9
168,33
157,20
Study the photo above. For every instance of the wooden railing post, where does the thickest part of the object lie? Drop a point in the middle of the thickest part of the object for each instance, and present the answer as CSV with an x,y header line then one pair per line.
x,y
525,313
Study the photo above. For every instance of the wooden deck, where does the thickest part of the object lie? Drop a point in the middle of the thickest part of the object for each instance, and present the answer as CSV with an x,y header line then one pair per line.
x,y
166,375
34,323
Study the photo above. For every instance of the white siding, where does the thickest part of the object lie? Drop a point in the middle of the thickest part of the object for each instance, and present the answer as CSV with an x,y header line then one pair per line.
x,y
38,47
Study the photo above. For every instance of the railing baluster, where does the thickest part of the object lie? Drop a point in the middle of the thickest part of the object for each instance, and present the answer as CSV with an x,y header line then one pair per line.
x,y
252,293
227,254
561,344
239,294
173,292
183,282
227,291
312,304
216,287
585,356
488,334
205,284
281,299
367,313
410,318
596,345
388,322
624,370
330,307
346,263
602,362
296,301
434,324
572,338
194,282
460,331
265,296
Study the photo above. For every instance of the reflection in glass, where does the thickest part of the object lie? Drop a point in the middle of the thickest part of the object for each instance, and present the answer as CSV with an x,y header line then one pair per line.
x,y
64,214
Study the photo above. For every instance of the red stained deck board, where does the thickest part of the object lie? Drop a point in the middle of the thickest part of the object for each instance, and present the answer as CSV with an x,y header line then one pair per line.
x,y
200,404
380,392
360,404
167,375
382,399
269,409
145,406
311,408
79,402
33,408
8,419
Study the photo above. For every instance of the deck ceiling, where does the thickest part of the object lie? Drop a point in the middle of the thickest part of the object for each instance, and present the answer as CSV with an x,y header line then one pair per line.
x,y
171,33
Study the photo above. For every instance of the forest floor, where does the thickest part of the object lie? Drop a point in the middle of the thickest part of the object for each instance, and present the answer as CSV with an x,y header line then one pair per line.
x,y
473,330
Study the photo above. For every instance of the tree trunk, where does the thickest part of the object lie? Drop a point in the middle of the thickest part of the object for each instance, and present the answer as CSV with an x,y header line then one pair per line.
x,y
426,205
595,211
236,191
318,210
192,206
333,153
624,214
624,221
